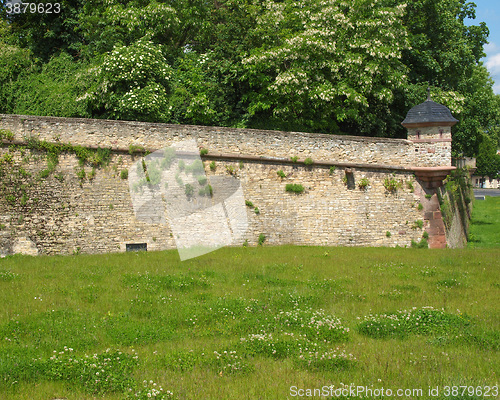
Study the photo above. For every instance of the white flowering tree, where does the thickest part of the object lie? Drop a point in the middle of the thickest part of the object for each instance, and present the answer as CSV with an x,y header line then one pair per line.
x,y
104,24
322,62
132,82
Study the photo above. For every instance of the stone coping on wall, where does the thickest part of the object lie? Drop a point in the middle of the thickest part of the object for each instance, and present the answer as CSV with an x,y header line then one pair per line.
x,y
267,143
158,125
426,174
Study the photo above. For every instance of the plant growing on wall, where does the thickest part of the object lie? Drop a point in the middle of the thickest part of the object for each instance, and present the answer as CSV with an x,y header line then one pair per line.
x,y
294,188
212,166
189,190
423,244
418,224
281,174
134,149
206,191
410,186
6,134
124,174
248,203
179,180
308,161
363,183
392,184
203,152
262,239
92,174
294,159
332,169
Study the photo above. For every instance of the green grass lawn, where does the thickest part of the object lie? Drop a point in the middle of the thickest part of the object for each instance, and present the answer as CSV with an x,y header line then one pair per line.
x,y
249,323
485,223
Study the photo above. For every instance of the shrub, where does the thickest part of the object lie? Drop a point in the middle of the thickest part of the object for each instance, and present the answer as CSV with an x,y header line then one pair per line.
x,y
6,134
132,149
308,161
178,179
80,174
363,183
418,224
422,245
262,239
294,187
206,191
46,172
281,174
392,184
24,199
425,235
189,190
195,168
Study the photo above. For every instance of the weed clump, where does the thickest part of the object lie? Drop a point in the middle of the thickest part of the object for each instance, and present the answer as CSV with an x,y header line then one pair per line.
x,y
294,188
417,321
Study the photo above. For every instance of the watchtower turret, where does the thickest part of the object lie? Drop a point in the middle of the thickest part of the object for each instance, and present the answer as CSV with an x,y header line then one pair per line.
x,y
429,127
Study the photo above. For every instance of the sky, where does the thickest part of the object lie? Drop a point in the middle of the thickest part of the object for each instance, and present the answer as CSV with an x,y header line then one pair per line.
x,y
489,11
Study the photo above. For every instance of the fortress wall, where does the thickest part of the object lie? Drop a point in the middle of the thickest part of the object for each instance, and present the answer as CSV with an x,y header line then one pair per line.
x,y
63,215
106,133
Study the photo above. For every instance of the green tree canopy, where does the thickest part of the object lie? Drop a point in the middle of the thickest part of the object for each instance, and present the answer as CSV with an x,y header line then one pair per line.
x,y
332,66
325,64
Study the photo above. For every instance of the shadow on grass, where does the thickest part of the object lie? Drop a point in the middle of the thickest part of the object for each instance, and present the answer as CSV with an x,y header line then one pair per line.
x,y
481,223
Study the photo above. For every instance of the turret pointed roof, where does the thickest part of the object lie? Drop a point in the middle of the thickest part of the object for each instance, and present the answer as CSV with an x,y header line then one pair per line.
x,y
429,113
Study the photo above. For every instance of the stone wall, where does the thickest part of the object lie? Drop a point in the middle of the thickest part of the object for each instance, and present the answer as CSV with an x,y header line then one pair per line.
x,y
106,133
63,214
